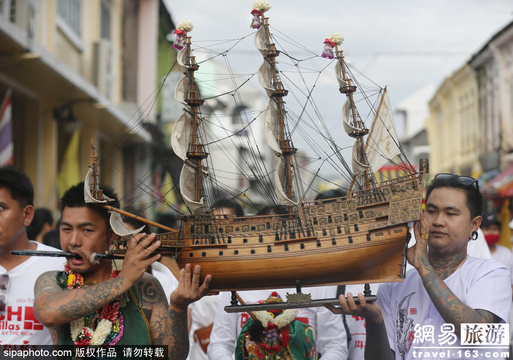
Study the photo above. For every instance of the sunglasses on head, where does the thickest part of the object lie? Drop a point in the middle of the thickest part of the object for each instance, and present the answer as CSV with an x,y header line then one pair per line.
x,y
463,180
4,284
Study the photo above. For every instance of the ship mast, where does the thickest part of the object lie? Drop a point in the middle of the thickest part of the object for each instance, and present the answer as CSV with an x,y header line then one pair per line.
x,y
276,92
186,135
359,130
196,152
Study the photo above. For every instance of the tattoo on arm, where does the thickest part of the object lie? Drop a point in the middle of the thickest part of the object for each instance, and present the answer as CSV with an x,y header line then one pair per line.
x,y
56,306
450,307
168,327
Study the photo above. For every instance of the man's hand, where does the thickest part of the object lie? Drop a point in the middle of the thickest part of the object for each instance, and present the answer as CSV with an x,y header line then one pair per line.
x,y
189,289
139,255
369,311
417,254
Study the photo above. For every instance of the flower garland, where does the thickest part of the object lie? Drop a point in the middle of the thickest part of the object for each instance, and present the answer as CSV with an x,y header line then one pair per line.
x,y
280,321
109,327
273,321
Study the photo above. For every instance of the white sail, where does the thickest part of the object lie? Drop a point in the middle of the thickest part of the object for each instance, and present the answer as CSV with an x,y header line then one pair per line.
x,y
346,116
261,41
265,74
88,184
382,143
188,189
338,73
181,89
117,225
279,177
181,134
181,59
358,166
270,126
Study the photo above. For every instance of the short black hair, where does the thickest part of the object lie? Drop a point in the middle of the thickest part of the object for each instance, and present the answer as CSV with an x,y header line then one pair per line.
x,y
274,210
330,194
74,197
474,197
19,185
41,217
230,204
135,222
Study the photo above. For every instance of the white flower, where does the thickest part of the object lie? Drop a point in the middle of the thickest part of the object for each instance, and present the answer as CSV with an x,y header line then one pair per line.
x,y
185,25
337,38
281,320
76,327
99,335
262,5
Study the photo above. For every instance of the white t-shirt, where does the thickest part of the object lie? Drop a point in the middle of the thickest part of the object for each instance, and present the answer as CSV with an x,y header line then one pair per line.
x,y
203,313
479,283
18,325
504,255
165,277
329,330
356,325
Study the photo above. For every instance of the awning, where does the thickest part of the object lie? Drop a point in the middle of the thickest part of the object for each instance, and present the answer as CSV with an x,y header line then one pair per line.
x,y
502,184
389,172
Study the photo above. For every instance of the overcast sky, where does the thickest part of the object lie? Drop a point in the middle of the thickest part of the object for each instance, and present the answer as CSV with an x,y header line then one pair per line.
x,y
404,44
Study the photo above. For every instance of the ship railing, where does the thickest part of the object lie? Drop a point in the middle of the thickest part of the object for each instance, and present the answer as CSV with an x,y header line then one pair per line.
x,y
399,179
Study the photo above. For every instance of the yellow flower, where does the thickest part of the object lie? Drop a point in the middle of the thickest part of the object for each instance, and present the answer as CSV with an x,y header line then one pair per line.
x,y
71,279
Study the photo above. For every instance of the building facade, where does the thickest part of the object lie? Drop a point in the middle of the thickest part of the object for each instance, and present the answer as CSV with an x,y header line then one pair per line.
x,y
86,66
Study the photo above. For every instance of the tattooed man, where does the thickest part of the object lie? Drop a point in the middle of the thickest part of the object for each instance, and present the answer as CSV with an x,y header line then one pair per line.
x,y
92,303
445,289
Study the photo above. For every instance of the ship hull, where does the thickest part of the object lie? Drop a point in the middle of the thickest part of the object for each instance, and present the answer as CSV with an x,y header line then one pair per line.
x,y
335,241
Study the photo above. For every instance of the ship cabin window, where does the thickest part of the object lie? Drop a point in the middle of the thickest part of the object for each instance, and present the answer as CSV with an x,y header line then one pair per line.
x,y
253,228
245,241
302,246
333,241
220,253
252,252
350,238
260,238
229,239
339,230
191,254
269,249
318,243
368,237
324,232
330,220
360,213
346,218
237,229
235,252
315,222
356,227
268,225
203,254
286,247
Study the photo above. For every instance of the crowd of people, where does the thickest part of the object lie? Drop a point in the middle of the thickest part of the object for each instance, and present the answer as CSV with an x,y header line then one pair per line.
x,y
451,280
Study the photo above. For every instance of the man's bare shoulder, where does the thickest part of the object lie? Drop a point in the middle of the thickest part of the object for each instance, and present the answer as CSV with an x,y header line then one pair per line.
x,y
46,281
150,290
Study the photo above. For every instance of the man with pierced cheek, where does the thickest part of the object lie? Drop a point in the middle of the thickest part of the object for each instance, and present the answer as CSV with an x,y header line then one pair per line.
x,y
94,303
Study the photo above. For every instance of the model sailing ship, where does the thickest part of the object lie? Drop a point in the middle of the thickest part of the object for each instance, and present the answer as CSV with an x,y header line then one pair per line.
x,y
356,239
